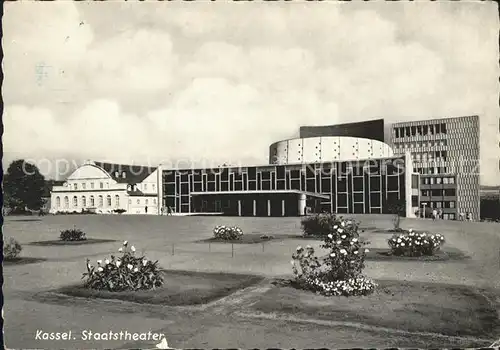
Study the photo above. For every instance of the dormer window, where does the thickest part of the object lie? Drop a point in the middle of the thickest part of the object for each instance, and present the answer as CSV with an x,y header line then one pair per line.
x,y
124,175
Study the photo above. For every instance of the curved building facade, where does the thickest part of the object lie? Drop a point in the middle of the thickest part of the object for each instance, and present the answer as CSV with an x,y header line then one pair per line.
x,y
371,129
326,149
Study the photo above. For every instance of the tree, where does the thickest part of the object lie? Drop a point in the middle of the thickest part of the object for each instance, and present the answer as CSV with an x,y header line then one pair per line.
x,y
398,208
23,187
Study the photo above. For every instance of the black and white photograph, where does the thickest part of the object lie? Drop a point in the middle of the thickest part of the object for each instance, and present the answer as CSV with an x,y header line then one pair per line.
x,y
251,174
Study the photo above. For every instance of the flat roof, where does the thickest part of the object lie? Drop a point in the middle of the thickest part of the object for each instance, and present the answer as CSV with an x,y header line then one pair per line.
x,y
310,194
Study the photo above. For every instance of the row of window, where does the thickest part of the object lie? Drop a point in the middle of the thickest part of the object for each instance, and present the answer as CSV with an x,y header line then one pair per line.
x,y
423,144
439,193
438,180
441,205
91,203
420,130
103,185
431,170
319,184
430,156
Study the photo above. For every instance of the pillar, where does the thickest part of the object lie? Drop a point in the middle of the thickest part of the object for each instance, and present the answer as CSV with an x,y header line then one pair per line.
x,y
302,204
239,207
254,207
268,207
282,207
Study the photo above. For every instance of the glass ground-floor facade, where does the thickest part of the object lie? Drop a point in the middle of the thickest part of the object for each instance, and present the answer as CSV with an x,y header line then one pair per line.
x,y
361,186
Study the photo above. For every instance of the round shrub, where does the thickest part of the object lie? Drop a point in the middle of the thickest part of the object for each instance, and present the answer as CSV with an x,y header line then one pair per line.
x,y
227,233
415,244
340,272
72,235
125,273
11,249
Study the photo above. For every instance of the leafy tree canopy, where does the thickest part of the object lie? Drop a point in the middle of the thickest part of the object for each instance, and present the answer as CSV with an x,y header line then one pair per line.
x,y
23,186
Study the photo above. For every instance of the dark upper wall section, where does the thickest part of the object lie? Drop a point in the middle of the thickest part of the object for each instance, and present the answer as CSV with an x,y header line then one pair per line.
x,y
371,129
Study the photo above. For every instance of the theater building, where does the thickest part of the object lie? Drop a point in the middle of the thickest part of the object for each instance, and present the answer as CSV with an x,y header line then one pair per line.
x,y
339,174
106,188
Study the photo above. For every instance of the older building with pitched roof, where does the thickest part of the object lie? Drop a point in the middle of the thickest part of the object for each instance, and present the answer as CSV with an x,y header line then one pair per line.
x,y
107,188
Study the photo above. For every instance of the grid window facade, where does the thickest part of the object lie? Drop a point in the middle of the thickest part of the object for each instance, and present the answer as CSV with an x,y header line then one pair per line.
x,y
448,148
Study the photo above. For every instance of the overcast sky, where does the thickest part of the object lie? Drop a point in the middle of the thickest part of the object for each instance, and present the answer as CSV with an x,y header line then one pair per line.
x,y
150,82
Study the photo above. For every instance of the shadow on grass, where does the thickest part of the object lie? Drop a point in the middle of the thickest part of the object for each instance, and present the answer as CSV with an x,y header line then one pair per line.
x,y
22,261
410,306
181,288
82,242
449,254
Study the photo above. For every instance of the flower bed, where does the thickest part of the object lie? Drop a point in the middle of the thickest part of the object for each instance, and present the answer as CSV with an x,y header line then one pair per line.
x,y
414,244
340,272
126,273
227,233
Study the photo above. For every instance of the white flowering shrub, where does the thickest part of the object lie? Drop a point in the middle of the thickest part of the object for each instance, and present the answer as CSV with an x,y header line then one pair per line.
x,y
11,249
414,244
340,272
228,233
128,272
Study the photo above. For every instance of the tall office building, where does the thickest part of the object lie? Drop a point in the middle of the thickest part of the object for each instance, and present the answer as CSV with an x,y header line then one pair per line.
x,y
446,153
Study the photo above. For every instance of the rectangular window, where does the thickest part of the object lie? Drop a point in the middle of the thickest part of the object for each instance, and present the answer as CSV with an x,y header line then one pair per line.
x,y
438,180
452,180
438,128
101,185
452,204
450,192
439,205
413,130
407,131
419,130
425,129
443,128
431,130
397,132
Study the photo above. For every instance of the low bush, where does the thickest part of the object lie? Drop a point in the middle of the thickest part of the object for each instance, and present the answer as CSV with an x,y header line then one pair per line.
x,y
11,249
72,235
411,243
126,273
340,272
227,233
119,211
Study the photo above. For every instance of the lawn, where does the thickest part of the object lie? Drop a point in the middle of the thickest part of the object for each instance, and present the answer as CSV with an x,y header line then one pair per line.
x,y
410,306
180,288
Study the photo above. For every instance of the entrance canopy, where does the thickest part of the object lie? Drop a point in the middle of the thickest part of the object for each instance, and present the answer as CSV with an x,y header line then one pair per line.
x,y
264,192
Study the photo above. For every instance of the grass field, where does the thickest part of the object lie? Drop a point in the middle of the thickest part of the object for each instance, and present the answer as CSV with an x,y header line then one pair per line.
x,y
442,297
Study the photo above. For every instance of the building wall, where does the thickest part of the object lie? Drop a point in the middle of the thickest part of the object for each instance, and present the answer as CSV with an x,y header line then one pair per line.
x,y
351,189
326,149
91,188
444,150
371,129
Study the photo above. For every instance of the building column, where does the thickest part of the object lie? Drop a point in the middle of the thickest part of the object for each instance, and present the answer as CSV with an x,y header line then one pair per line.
x,y
254,207
268,207
282,207
239,207
302,204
